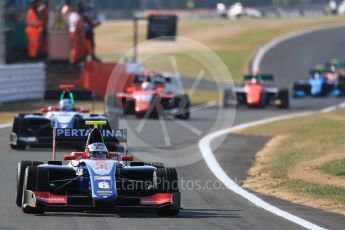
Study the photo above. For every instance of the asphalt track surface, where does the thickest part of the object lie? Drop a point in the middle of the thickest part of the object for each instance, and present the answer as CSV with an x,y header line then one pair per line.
x,y
203,208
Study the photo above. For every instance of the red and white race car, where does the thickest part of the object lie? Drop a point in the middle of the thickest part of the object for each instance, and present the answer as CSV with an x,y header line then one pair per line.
x,y
151,95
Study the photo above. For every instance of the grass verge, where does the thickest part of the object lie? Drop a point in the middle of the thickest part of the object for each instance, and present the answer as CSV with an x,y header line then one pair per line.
x,y
235,41
303,162
334,168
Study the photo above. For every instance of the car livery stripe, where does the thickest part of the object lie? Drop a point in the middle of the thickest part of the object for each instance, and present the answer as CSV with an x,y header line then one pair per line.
x,y
49,198
157,199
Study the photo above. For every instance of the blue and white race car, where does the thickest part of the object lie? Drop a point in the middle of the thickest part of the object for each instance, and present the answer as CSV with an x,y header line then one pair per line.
x,y
320,84
96,179
35,129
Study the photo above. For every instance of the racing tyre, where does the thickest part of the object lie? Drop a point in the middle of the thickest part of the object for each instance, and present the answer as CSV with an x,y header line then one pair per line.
x,y
167,182
20,178
232,99
15,130
35,179
341,88
18,147
305,88
283,96
184,106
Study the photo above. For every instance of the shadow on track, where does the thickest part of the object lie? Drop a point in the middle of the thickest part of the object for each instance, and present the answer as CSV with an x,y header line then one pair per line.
x,y
184,214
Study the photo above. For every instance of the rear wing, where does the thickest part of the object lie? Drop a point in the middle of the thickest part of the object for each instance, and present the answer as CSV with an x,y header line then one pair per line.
x,y
81,95
65,92
261,77
70,135
315,71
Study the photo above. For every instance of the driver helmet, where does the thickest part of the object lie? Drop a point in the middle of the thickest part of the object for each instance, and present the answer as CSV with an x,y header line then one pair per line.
x,y
97,150
147,85
66,105
254,80
317,75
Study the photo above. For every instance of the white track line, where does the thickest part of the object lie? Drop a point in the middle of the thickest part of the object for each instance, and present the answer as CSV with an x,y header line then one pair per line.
x,y
5,126
263,51
207,153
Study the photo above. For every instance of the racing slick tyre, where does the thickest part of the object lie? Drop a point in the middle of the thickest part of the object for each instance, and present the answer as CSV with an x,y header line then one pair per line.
x,y
15,131
283,96
35,179
341,87
306,88
183,103
326,89
20,178
167,182
18,147
227,98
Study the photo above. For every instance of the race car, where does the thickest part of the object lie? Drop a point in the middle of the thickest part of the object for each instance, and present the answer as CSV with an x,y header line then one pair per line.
x,y
151,95
321,83
96,180
258,90
35,129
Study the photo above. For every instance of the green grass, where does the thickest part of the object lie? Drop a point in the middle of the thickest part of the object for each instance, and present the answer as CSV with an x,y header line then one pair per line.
x,y
336,194
334,168
308,138
203,96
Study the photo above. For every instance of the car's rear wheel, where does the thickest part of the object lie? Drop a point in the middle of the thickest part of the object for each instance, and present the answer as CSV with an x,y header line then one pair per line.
x,y
18,146
17,123
283,96
183,104
20,178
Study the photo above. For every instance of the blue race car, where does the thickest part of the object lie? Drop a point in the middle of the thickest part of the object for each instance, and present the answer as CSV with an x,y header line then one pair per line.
x,y
96,179
320,84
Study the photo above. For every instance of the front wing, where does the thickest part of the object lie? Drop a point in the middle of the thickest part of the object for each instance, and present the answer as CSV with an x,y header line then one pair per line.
x,y
48,202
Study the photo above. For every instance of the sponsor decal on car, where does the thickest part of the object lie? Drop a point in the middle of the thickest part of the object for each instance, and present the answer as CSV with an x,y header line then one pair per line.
x,y
50,198
102,178
118,133
103,185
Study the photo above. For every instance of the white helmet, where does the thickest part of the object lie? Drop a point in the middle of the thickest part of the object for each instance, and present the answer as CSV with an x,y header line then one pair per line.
x,y
66,105
97,150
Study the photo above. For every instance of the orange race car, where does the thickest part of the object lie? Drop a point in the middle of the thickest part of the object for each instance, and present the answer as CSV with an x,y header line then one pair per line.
x,y
257,90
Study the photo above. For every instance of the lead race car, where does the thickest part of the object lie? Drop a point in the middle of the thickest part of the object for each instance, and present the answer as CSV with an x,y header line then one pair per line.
x,y
258,90
96,179
35,129
152,95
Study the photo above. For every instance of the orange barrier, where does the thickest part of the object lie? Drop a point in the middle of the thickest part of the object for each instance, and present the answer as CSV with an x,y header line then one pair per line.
x,y
95,76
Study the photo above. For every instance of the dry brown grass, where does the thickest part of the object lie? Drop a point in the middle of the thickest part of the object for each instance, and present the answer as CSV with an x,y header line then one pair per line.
x,y
290,165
